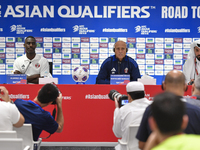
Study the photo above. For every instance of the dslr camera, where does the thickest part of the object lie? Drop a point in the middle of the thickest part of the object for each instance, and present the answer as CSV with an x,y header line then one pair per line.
x,y
122,99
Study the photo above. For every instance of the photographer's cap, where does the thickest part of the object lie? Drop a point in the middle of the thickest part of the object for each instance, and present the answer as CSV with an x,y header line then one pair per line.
x,y
134,86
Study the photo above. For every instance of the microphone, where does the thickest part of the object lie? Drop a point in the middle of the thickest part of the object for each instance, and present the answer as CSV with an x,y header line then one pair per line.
x,y
27,67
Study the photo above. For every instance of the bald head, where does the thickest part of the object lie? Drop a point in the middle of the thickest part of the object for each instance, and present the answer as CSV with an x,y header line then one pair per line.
x,y
175,82
120,42
175,77
120,50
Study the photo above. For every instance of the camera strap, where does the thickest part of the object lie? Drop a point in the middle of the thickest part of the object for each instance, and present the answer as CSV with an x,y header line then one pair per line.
x,y
54,112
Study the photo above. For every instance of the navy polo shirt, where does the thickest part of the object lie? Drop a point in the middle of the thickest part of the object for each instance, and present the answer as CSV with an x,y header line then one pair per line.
x,y
193,126
38,117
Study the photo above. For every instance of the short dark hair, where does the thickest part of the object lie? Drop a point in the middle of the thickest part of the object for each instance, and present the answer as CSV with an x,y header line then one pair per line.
x,y
136,94
168,111
48,93
30,37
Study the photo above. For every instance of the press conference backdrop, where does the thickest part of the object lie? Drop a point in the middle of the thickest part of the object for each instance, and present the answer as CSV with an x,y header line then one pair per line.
x,y
72,33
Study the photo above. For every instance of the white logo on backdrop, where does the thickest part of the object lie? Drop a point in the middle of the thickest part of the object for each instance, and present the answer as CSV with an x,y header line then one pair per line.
x,y
13,28
144,30
75,28
137,29
82,29
19,29
198,29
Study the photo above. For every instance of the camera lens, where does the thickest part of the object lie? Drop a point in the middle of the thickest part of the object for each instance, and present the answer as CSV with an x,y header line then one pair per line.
x,y
114,94
110,95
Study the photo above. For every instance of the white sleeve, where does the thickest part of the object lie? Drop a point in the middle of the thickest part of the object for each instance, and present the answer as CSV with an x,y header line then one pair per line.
x,y
117,123
189,70
16,65
15,114
189,66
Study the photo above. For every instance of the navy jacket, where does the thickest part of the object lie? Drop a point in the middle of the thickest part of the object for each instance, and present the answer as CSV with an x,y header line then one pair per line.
x,y
113,66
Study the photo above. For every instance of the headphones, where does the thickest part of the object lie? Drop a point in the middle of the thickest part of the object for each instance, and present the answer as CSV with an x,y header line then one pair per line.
x,y
162,87
114,49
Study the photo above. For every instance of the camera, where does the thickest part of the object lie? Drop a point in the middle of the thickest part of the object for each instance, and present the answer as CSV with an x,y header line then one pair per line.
x,y
122,99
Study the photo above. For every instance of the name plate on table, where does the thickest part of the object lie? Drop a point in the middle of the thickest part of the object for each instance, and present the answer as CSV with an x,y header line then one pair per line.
x,y
48,80
16,79
120,79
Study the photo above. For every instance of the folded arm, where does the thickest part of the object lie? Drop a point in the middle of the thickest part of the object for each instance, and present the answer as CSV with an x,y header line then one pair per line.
x,y
33,78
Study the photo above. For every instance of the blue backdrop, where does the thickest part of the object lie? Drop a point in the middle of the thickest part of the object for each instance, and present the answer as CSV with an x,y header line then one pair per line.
x,y
73,33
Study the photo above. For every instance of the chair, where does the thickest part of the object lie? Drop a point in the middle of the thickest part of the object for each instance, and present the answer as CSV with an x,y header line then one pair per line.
x,y
132,142
25,132
50,67
8,134
12,144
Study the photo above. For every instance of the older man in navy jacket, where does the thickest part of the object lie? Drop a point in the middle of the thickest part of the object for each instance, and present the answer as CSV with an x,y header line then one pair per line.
x,y
120,63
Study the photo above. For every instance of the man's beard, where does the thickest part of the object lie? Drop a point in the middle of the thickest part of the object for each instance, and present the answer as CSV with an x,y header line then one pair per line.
x,y
198,57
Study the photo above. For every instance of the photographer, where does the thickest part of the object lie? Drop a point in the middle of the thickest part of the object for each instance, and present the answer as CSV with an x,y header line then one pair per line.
x,y
40,119
130,113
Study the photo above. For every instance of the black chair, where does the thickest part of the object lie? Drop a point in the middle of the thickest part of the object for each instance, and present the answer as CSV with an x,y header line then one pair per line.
x,y
50,67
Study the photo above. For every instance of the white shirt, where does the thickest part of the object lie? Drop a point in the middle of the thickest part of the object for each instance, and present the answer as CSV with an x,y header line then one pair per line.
x,y
128,114
198,69
9,115
189,66
38,65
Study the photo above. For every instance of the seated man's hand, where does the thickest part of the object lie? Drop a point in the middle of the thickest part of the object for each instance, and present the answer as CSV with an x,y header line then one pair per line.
x,y
191,82
17,72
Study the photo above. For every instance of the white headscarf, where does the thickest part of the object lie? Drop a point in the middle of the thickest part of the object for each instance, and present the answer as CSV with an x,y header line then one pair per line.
x,y
189,66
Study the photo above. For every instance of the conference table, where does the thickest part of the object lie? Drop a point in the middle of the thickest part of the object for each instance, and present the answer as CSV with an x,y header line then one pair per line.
x,y
87,109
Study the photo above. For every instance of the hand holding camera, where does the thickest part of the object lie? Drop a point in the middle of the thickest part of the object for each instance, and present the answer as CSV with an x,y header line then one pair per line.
x,y
59,100
59,93
121,99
